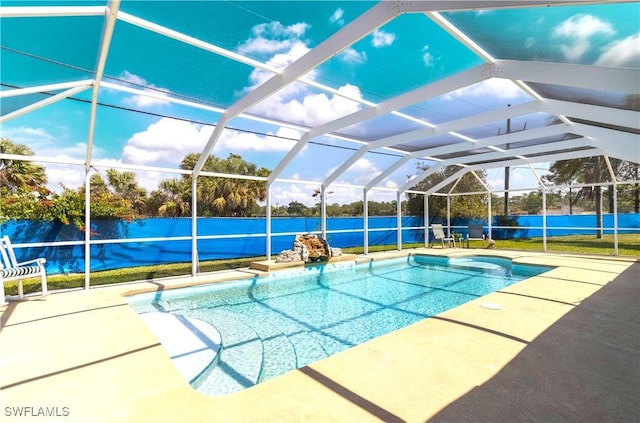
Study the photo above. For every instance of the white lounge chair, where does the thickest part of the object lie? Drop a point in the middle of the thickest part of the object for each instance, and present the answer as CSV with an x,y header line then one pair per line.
x,y
438,234
475,233
11,270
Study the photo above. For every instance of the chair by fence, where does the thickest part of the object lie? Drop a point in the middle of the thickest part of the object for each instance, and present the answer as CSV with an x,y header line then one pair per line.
x,y
438,234
475,233
11,270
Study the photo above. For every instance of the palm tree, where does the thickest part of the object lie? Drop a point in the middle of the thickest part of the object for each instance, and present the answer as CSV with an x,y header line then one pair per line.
x,y
222,196
125,187
20,174
175,193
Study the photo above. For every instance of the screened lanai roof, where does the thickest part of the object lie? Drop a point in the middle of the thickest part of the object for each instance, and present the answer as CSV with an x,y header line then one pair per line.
x,y
324,92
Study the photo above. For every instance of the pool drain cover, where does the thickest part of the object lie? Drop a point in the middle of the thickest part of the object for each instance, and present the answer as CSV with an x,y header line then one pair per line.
x,y
491,306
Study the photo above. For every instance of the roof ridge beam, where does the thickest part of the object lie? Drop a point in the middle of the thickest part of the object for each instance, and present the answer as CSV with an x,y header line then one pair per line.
x,y
611,115
570,74
618,144
593,131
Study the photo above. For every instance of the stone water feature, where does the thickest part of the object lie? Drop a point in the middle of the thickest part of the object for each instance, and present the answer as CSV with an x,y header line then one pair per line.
x,y
310,249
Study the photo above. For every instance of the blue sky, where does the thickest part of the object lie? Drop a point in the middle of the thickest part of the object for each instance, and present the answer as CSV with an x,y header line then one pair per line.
x,y
404,54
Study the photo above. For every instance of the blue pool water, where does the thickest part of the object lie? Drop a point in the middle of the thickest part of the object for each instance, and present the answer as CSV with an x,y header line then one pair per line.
x,y
271,325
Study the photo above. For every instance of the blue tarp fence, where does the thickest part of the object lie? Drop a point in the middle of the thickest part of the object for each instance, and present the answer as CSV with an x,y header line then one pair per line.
x,y
229,238
118,243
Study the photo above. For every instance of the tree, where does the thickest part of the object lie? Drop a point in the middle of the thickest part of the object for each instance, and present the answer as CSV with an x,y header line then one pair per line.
x,y
125,187
296,208
382,208
20,174
227,196
174,198
532,202
590,170
462,206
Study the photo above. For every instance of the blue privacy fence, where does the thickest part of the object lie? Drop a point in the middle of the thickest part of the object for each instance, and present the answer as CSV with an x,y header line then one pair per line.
x,y
531,226
118,244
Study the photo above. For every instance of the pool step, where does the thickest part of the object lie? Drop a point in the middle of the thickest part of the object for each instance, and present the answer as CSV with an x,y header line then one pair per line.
x,y
308,349
241,337
192,345
283,351
232,372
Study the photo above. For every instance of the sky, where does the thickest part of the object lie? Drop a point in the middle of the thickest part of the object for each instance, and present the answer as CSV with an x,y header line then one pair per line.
x,y
405,53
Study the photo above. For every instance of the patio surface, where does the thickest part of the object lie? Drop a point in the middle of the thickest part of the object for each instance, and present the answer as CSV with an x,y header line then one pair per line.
x,y
564,347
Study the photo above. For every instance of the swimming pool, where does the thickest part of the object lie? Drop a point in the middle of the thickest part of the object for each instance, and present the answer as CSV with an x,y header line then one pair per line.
x,y
271,325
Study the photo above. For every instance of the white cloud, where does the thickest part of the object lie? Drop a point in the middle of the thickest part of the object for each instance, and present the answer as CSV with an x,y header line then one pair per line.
x,y
141,83
272,37
492,88
623,53
360,173
578,30
27,136
352,55
289,133
59,175
496,183
244,141
284,59
337,17
279,61
582,26
149,180
43,143
298,105
427,58
283,194
166,141
382,39
391,184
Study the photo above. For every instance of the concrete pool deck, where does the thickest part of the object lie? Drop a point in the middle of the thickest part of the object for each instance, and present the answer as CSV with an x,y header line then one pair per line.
x,y
564,347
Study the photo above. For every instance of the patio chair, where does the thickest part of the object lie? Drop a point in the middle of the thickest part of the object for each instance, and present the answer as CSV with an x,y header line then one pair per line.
x,y
438,234
11,270
475,233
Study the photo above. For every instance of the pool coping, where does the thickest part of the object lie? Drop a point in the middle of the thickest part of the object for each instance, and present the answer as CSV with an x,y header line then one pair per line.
x,y
55,348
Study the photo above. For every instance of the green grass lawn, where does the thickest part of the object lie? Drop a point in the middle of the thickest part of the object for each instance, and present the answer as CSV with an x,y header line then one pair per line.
x,y
628,245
